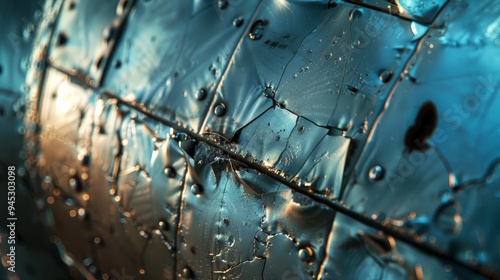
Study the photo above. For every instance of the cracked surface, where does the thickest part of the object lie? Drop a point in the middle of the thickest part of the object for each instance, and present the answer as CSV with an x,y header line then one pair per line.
x,y
238,139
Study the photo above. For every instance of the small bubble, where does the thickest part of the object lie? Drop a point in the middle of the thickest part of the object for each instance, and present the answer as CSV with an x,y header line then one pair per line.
x,y
376,173
237,22
186,273
62,39
220,110
355,13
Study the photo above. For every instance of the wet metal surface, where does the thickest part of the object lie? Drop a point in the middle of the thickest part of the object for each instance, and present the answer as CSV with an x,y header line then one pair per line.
x,y
274,139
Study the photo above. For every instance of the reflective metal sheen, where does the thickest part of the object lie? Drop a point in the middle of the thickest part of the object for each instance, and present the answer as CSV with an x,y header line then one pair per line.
x,y
273,139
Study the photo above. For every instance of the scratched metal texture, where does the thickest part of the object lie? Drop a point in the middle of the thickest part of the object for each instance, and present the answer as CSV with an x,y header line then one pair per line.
x,y
273,139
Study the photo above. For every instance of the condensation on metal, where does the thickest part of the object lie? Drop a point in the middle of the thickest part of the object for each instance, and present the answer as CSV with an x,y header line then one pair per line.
x,y
372,104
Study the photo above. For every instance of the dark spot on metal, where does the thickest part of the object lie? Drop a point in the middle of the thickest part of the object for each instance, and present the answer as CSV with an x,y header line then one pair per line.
x,y
424,126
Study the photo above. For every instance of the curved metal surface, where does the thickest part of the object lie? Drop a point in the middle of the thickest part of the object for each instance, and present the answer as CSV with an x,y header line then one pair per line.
x,y
273,139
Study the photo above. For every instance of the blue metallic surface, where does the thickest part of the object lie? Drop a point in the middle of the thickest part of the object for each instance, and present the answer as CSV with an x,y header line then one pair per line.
x,y
273,139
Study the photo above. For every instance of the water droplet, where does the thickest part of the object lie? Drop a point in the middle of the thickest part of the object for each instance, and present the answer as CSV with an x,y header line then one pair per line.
x,y
385,76
418,30
355,13
237,22
196,189
201,94
447,217
306,254
230,241
74,184
163,225
186,273
328,55
97,240
257,30
117,64
82,214
222,4
62,39
376,173
268,92
220,109
169,171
